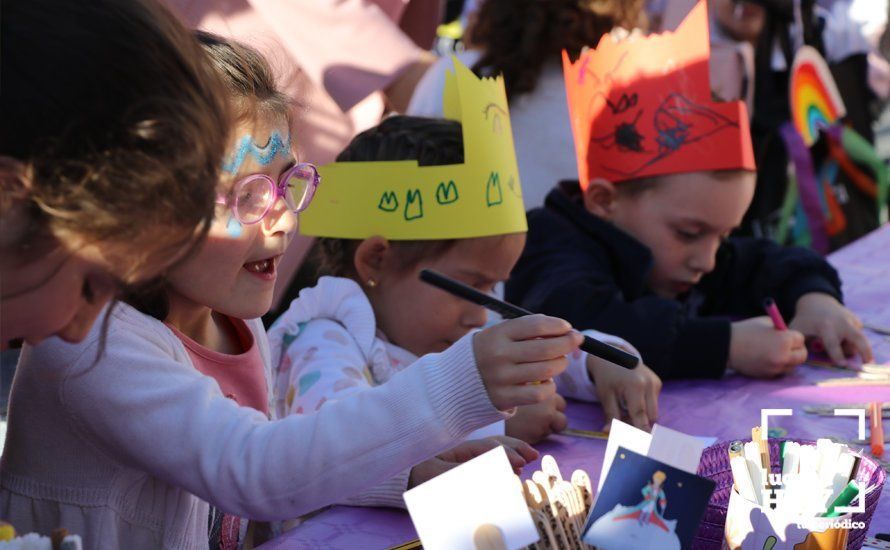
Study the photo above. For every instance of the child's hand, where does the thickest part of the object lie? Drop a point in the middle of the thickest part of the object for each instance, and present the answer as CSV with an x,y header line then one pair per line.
x,y
636,389
757,349
533,423
518,453
517,358
821,316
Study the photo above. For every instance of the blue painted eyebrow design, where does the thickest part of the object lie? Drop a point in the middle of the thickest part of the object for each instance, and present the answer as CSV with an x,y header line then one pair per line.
x,y
263,155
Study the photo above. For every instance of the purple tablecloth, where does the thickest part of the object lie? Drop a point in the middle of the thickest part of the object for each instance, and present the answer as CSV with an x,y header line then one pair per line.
x,y
725,409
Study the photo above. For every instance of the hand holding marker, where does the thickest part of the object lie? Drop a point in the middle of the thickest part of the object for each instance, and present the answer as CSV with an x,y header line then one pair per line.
x,y
773,311
510,311
775,315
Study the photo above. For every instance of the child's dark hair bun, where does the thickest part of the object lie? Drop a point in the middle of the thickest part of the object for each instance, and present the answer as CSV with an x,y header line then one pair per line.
x,y
430,141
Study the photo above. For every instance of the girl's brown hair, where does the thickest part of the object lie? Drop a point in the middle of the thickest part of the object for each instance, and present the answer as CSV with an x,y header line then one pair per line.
x,y
429,141
517,37
117,126
247,76
252,91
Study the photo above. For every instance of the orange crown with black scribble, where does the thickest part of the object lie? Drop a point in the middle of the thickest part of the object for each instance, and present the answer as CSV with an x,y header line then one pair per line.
x,y
642,107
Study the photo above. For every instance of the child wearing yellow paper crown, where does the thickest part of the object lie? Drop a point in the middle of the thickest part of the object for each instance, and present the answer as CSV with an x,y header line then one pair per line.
x,y
642,247
418,193
130,435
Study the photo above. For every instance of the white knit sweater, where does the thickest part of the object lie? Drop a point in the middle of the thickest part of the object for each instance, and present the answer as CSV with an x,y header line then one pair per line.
x,y
127,449
326,347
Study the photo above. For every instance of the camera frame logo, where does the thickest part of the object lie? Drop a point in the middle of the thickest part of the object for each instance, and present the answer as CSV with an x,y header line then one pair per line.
x,y
770,496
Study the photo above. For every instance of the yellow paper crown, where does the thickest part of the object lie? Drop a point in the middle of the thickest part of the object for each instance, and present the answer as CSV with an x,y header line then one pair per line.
x,y
400,200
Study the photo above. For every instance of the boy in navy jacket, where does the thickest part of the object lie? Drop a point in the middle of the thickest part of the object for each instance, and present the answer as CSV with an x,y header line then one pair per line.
x,y
641,247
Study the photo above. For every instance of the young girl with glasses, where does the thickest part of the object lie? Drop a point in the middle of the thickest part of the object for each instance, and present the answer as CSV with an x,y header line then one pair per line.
x,y
129,446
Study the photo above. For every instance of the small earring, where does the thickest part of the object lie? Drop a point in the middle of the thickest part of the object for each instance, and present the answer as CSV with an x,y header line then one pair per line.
x,y
371,282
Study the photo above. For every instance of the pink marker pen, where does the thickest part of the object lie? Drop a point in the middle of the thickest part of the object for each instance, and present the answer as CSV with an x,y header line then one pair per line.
x,y
770,306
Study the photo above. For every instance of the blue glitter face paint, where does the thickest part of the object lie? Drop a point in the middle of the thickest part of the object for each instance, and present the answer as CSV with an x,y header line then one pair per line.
x,y
263,155
234,228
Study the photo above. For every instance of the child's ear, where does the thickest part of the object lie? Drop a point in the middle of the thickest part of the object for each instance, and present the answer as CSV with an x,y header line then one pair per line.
x,y
599,198
369,260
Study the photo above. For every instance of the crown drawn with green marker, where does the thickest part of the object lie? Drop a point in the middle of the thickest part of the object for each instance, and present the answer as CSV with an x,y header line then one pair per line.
x,y
447,194
389,202
493,193
413,205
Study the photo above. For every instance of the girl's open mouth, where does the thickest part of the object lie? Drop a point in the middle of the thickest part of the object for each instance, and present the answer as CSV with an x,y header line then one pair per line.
x,y
264,269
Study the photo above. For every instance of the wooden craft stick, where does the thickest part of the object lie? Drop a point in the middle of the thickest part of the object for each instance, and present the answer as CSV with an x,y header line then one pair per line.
x,y
545,532
410,545
489,537
584,433
559,532
568,527
549,467
876,368
763,444
560,500
563,492
582,484
541,479
579,512
853,381
556,520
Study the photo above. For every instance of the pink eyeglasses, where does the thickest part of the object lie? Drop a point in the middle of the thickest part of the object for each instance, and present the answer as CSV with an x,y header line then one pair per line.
x,y
253,196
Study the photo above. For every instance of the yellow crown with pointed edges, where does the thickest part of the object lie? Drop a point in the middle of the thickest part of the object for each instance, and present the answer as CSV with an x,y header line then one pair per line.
x,y
401,200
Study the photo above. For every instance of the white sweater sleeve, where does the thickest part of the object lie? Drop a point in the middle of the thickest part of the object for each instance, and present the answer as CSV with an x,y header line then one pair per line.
x,y
324,364
144,405
575,381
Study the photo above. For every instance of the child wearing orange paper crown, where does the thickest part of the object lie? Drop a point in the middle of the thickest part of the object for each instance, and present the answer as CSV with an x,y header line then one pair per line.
x,y
642,247
418,193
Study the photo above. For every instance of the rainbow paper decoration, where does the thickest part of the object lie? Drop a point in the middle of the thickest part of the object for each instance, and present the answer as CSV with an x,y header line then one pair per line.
x,y
815,101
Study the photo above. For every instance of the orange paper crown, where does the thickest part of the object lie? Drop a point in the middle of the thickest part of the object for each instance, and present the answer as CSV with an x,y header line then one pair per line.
x,y
642,107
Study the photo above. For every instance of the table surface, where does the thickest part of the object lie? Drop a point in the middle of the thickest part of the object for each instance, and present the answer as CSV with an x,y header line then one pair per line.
x,y
725,409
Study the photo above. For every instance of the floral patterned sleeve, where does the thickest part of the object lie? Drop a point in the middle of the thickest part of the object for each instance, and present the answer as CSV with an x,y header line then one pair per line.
x,y
575,381
322,363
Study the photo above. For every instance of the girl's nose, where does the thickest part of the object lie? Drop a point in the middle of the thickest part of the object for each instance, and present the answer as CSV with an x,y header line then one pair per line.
x,y
281,220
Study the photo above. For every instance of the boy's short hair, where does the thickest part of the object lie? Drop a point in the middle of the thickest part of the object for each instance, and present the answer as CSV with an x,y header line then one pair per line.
x,y
429,141
636,187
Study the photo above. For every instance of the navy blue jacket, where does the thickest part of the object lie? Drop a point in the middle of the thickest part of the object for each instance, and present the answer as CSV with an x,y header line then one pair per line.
x,y
591,273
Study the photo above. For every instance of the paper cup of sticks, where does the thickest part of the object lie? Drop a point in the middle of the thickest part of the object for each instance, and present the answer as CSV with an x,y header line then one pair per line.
x,y
782,494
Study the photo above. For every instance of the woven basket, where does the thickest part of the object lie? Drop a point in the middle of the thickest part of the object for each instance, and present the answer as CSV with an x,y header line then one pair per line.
x,y
715,466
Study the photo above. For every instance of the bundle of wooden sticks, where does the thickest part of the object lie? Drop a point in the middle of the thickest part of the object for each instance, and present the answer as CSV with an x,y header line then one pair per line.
x,y
558,507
